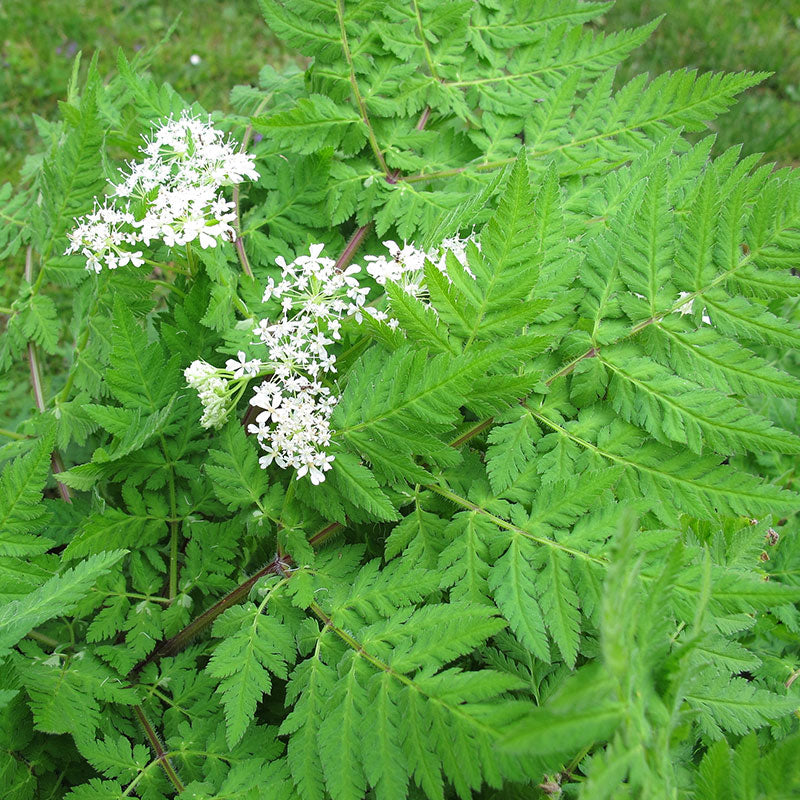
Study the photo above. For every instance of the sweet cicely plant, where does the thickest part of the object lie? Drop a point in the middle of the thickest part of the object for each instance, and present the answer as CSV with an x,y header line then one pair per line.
x,y
426,428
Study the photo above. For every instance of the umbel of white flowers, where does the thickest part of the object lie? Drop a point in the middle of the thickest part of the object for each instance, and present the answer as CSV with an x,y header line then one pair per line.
x,y
172,195
294,405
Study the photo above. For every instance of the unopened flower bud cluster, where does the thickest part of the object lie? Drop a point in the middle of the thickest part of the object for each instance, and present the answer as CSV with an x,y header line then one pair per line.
x,y
172,195
219,389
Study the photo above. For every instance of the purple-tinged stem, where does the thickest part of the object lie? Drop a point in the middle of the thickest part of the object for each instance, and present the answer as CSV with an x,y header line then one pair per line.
x,y
174,645
159,751
38,390
239,243
350,250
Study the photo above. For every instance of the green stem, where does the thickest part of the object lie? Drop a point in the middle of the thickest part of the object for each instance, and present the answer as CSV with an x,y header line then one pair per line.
x,y
42,638
171,267
6,310
451,173
190,260
240,306
501,523
348,57
135,596
171,286
426,49
132,785
357,646
11,434
173,539
54,791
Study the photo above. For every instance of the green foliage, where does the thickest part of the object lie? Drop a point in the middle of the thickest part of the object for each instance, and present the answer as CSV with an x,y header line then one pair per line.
x,y
556,547
55,596
253,644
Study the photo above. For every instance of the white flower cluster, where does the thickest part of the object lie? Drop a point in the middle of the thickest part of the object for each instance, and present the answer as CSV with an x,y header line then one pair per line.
x,y
406,267
294,405
175,191
293,426
313,285
106,236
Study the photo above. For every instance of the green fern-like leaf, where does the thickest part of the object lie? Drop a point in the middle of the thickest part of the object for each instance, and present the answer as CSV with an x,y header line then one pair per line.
x,y
254,645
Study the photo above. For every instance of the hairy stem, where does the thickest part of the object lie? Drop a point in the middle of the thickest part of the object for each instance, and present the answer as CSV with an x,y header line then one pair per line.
x,y
174,645
474,431
239,242
160,754
325,533
352,246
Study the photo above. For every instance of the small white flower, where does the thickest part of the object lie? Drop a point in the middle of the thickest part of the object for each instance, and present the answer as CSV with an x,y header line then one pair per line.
x,y
688,307
194,59
242,366
105,237
406,267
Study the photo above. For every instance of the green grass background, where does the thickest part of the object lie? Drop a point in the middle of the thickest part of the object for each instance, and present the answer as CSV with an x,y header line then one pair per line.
x,y
729,35
39,38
